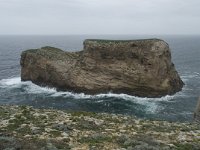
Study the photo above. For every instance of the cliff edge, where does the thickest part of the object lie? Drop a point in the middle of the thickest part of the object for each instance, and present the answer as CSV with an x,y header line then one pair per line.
x,y
136,67
26,128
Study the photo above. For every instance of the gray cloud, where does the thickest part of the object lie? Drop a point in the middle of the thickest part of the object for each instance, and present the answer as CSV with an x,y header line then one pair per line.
x,y
99,17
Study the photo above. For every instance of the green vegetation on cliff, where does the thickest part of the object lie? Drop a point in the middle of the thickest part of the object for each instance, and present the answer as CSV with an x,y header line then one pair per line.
x,y
22,127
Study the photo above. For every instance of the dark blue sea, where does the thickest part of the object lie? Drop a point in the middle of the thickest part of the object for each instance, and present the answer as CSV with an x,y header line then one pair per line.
x,y
179,107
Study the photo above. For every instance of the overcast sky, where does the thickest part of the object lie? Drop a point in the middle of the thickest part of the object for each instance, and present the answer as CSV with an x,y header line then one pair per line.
x,y
99,16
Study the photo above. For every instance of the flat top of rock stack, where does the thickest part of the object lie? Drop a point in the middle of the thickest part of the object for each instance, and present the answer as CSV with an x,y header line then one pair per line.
x,y
117,41
114,42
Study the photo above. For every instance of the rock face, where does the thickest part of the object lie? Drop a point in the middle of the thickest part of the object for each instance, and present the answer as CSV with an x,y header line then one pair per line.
x,y
197,111
137,67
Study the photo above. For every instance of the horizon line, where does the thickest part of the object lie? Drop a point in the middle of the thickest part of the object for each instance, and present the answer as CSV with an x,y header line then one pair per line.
x,y
99,34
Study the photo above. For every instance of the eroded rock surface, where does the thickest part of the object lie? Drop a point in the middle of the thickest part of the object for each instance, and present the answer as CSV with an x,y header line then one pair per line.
x,y
197,111
139,67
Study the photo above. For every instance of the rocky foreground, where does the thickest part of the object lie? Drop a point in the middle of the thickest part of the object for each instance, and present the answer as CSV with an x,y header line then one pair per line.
x,y
26,128
137,67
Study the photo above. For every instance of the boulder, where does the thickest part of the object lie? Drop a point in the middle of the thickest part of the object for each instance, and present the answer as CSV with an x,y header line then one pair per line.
x,y
136,67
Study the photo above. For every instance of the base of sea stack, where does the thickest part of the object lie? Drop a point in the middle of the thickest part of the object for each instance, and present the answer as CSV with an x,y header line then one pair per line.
x,y
26,128
136,67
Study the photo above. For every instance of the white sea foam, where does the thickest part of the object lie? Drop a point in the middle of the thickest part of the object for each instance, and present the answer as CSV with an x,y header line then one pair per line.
x,y
10,82
35,89
28,86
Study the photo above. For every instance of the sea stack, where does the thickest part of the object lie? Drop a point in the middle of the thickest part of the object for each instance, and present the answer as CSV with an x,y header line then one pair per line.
x,y
135,67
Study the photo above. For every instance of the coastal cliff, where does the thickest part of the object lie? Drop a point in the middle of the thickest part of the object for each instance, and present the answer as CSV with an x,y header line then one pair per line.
x,y
197,111
26,128
136,67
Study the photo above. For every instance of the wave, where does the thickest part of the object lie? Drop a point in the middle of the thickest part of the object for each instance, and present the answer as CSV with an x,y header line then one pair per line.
x,y
188,76
35,89
28,86
10,82
151,104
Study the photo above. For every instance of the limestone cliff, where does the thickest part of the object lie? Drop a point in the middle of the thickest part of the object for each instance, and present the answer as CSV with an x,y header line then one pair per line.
x,y
197,111
136,67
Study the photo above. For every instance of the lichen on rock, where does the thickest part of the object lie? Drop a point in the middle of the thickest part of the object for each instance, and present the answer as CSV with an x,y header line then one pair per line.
x,y
136,67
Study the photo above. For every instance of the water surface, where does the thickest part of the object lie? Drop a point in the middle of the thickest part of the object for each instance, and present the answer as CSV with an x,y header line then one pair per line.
x,y
179,107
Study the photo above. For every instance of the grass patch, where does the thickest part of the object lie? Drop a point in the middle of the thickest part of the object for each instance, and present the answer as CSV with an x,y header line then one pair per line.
x,y
186,146
96,139
55,133
4,114
83,113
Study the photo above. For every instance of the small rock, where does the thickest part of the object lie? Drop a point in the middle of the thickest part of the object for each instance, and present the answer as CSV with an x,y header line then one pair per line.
x,y
61,127
35,130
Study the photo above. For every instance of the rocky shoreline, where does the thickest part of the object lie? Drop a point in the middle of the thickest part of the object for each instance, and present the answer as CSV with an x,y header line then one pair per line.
x,y
23,127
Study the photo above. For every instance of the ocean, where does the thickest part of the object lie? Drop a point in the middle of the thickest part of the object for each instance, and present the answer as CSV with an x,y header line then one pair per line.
x,y
179,107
